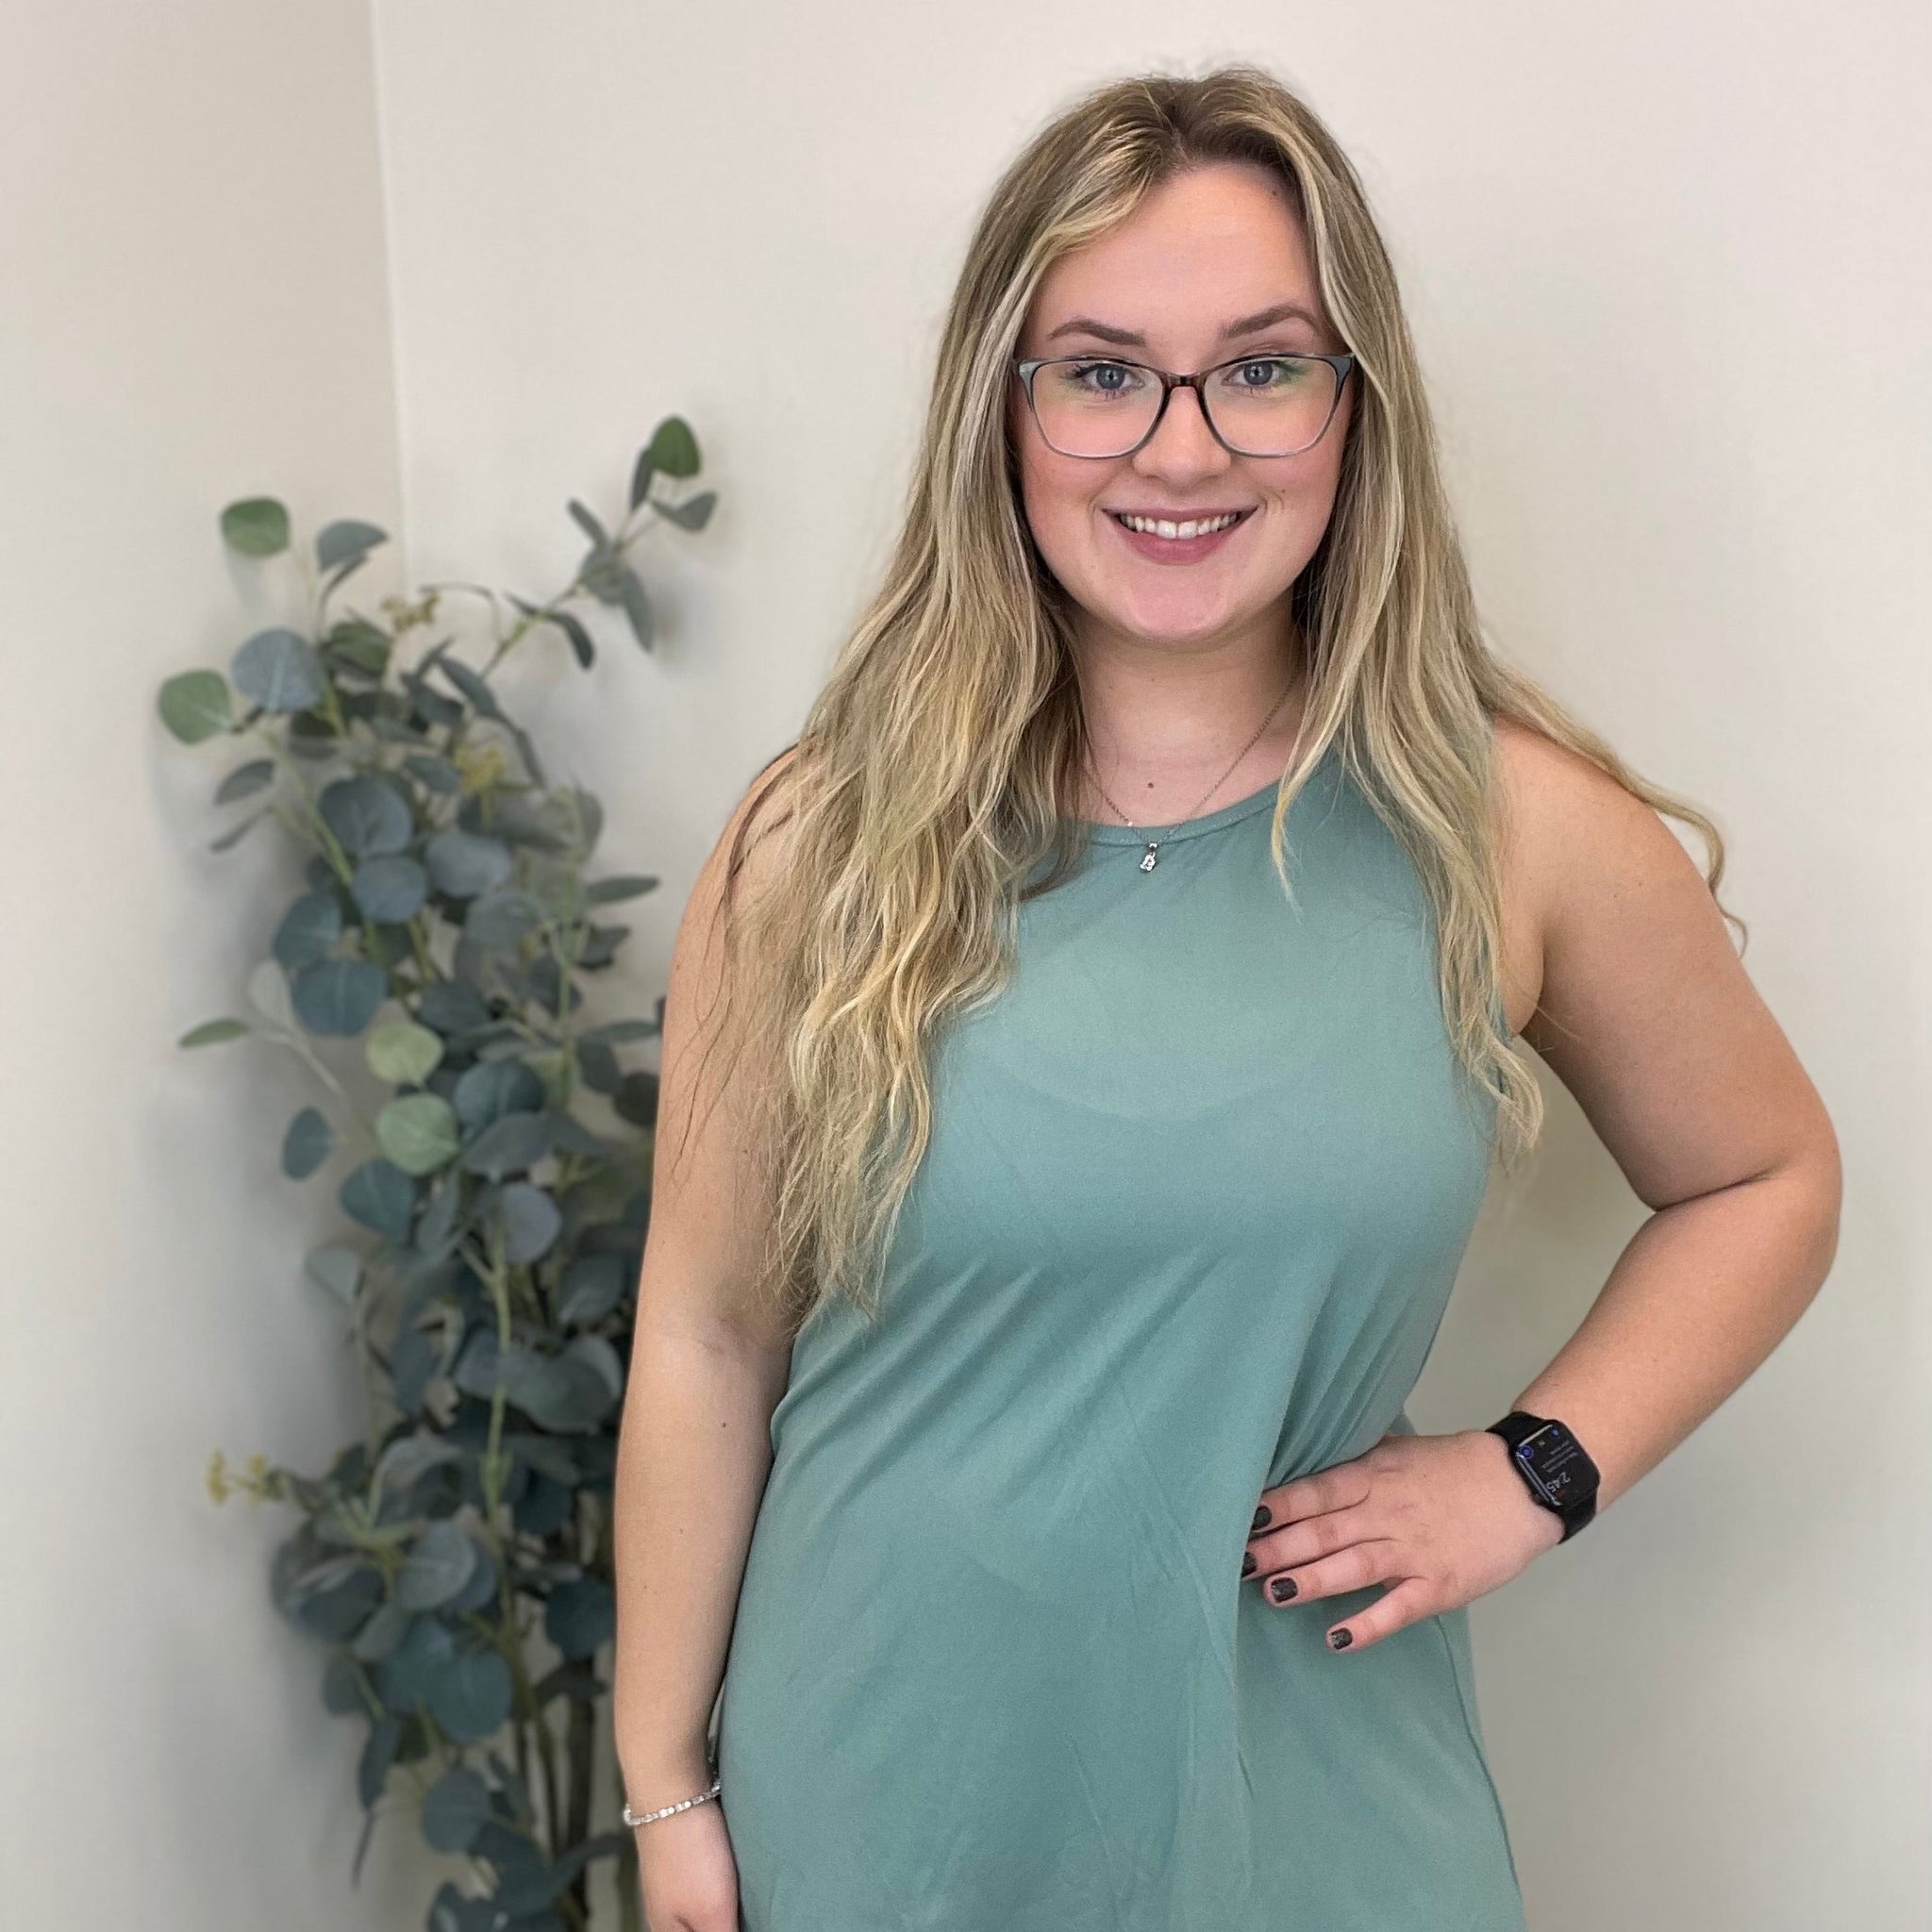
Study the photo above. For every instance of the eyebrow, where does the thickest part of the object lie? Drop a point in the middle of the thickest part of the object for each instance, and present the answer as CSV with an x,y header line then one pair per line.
x,y
1128,339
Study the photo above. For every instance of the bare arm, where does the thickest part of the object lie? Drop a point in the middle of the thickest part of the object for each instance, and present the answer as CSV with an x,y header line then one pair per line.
x,y
1629,988
694,1449
1646,1015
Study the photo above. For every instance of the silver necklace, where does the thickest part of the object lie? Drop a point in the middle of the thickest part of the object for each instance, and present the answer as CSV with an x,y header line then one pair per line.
x,y
1152,857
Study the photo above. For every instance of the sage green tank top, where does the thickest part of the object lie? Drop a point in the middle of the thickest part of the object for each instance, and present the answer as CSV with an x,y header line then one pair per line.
x,y
1198,1187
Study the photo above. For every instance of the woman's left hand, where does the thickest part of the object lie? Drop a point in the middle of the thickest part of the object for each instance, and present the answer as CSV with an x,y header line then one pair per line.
x,y
1441,1520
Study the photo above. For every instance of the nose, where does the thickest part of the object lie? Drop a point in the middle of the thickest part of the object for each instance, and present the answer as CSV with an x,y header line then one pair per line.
x,y
1182,443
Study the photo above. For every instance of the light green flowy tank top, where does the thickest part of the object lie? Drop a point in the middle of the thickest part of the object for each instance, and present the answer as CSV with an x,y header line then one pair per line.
x,y
1200,1180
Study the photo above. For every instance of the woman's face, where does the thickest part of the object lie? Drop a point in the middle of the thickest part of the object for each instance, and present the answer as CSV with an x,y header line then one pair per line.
x,y
1178,286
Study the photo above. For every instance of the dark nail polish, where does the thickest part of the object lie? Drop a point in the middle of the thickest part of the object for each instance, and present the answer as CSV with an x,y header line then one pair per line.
x,y
1341,1639
1282,1587
1261,1520
1248,1564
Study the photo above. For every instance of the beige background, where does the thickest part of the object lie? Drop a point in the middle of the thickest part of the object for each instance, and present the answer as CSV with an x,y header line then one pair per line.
x,y
445,267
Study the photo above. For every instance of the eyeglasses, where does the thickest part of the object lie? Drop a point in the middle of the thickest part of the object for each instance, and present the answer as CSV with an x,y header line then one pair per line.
x,y
1255,406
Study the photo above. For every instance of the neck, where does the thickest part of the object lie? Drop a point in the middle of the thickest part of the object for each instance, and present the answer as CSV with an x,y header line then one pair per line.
x,y
1162,724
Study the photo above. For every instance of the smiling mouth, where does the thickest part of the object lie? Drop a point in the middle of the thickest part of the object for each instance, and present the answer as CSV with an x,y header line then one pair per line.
x,y
1179,529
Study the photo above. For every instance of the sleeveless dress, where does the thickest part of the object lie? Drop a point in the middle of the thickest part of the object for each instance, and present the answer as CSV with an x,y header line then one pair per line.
x,y
1199,1184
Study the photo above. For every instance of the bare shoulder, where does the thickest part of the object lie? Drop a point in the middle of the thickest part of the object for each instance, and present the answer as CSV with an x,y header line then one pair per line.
x,y
705,1197
1641,1005
1565,812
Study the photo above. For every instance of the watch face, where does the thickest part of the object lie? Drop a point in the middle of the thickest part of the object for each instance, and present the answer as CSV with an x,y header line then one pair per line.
x,y
1558,1464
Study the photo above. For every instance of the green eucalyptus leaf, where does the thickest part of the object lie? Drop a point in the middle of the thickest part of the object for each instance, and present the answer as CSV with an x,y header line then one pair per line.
x,y
545,1454
255,526
598,1066
636,1099
482,699
434,773
471,1698
403,1052
436,1568
391,890
591,1287
491,1089
594,1350
613,1032
337,998
595,532
466,865
455,1807
525,1882
356,645
379,1636
641,475
691,512
637,607
236,832
410,1458
581,1617
267,988
454,1007
413,1361
308,1143
381,1196
562,1392
211,1032
606,891
404,1677
309,931
338,1270
544,1508
378,1755
579,638
245,781
341,1687
513,1144
368,815
479,1591
419,1133
531,1222
278,669
194,705
339,1608
569,1134
498,920
346,541
674,449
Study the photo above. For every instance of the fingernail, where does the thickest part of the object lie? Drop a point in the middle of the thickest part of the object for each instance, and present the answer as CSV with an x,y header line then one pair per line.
x,y
1341,1639
1248,1564
1281,1588
1261,1520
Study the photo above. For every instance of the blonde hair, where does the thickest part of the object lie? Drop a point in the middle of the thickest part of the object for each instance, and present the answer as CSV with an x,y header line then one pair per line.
x,y
935,770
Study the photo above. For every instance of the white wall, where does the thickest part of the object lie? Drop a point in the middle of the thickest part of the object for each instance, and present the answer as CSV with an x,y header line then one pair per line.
x,y
1666,271
1666,267
195,309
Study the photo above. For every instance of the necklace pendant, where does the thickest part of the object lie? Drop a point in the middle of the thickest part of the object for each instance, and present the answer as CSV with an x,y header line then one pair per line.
x,y
1152,858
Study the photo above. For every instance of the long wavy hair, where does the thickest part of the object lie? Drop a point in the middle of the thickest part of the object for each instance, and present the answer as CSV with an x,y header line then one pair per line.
x,y
931,786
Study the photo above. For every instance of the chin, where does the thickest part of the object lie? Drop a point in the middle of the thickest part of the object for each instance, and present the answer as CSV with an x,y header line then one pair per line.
x,y
1175,620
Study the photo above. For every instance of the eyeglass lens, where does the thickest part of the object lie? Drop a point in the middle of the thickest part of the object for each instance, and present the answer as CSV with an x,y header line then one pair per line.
x,y
1267,406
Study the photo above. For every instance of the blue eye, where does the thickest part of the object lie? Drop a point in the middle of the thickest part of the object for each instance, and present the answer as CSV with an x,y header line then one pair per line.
x,y
1100,378
1265,373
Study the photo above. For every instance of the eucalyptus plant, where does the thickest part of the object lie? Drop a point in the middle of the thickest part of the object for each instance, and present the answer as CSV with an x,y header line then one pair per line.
x,y
455,1561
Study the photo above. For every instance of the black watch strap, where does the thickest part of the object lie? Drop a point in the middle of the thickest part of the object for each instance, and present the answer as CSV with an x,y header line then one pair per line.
x,y
1570,1470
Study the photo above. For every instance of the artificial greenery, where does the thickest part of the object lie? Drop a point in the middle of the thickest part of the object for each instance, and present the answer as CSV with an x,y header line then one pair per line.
x,y
457,1559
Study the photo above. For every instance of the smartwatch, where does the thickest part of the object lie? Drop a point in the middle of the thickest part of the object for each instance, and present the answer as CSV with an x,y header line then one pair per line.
x,y
1553,1464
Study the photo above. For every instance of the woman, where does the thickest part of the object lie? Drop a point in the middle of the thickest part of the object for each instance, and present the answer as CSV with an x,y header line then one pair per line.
x,y
1083,1059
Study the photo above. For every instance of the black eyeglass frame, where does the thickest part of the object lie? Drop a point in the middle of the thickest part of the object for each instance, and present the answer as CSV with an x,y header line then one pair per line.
x,y
1343,365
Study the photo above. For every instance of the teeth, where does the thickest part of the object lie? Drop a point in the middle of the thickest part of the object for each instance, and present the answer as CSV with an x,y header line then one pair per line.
x,y
1194,526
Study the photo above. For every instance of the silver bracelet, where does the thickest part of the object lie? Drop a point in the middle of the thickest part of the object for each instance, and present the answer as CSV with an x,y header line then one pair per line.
x,y
636,1818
